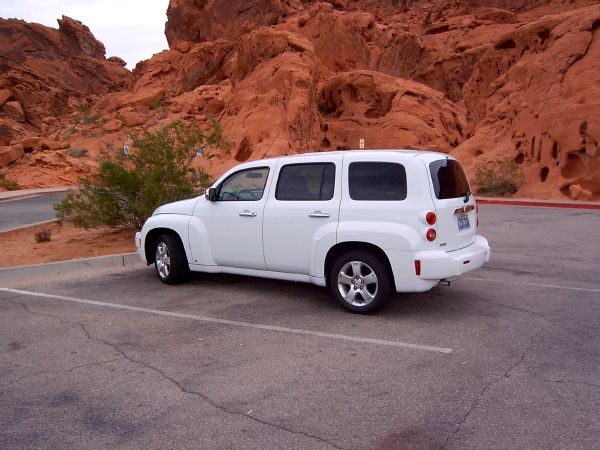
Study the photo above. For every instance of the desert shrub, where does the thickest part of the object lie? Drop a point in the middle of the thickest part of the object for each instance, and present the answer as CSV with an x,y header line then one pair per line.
x,y
43,236
7,183
501,178
216,137
155,104
90,119
77,152
85,108
85,116
128,188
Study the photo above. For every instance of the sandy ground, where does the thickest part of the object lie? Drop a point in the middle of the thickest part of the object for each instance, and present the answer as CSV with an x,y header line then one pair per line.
x,y
20,248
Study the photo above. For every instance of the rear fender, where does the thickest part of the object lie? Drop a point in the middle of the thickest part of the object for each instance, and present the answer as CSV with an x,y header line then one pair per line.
x,y
384,235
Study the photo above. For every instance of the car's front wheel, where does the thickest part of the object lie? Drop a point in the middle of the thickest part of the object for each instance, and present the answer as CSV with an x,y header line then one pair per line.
x,y
360,281
170,261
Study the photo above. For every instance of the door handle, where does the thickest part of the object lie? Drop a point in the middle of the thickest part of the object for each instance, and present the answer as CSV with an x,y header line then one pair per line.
x,y
248,214
319,215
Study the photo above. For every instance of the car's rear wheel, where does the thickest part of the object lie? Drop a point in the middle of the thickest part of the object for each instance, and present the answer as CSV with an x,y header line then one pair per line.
x,y
360,281
170,261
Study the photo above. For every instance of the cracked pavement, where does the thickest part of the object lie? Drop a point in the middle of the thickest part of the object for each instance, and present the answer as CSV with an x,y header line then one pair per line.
x,y
523,372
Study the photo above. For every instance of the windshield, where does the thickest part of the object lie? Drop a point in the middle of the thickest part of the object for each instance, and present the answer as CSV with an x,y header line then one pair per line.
x,y
449,179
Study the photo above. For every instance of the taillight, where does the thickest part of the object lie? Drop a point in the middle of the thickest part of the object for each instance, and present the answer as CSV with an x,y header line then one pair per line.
x,y
417,267
430,218
431,234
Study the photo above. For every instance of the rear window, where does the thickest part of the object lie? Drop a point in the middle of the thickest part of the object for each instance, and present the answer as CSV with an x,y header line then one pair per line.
x,y
449,179
377,181
312,181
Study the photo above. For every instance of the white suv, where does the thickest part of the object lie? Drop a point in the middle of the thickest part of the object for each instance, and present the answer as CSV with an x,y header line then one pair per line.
x,y
364,223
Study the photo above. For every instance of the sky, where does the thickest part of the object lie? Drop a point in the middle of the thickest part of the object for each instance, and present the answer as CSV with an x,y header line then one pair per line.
x,y
131,29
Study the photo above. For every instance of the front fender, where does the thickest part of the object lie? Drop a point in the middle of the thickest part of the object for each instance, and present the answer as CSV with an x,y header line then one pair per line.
x,y
199,244
177,223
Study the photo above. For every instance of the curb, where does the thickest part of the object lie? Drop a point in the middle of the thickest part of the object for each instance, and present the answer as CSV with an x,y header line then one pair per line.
x,y
29,225
24,193
24,273
537,203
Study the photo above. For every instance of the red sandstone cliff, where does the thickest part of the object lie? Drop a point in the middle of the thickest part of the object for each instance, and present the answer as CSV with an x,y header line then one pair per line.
x,y
484,80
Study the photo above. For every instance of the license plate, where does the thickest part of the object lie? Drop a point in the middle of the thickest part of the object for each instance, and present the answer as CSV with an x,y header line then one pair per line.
x,y
463,221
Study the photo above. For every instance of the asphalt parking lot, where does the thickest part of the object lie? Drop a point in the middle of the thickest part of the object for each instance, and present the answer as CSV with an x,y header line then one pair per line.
x,y
506,358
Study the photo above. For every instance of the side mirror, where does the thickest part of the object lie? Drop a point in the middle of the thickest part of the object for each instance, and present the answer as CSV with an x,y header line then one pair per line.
x,y
211,194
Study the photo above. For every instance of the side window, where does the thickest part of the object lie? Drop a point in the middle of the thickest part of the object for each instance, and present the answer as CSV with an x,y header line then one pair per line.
x,y
313,181
377,181
245,185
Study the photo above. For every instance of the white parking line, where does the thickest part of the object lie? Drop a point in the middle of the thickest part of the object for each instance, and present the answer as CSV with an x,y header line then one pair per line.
x,y
525,283
258,326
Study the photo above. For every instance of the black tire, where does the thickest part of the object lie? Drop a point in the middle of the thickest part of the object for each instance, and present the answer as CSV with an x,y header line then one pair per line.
x,y
361,281
170,261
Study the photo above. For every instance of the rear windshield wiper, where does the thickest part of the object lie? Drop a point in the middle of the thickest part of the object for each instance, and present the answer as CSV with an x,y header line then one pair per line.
x,y
466,195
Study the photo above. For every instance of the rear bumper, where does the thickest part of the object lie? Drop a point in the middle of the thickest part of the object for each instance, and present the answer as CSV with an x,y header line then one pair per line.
x,y
441,265
436,265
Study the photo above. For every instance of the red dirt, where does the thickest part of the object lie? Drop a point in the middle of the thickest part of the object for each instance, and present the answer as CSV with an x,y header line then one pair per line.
x,y
67,242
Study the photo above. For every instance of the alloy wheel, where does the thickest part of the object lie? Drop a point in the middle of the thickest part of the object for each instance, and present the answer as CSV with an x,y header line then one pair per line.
x,y
357,283
163,260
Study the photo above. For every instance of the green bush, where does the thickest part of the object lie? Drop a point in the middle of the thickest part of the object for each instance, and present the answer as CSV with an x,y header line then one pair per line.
x,y
85,108
501,178
77,152
216,138
8,183
89,119
128,188
155,104
86,117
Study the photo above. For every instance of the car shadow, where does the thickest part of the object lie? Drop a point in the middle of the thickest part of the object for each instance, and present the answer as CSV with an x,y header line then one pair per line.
x,y
442,302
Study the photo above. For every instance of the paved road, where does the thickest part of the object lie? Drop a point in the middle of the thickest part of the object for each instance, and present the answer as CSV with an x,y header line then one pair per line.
x,y
235,362
25,211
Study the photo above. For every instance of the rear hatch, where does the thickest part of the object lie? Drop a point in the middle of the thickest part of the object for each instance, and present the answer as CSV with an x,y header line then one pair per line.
x,y
454,203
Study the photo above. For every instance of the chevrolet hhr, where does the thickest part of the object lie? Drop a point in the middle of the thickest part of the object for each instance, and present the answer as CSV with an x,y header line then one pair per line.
x,y
365,224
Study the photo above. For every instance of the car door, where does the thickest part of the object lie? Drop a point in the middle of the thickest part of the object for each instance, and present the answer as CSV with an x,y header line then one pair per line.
x,y
302,213
234,220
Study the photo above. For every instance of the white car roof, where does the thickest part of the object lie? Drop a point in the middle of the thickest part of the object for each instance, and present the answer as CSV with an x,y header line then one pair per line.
x,y
428,155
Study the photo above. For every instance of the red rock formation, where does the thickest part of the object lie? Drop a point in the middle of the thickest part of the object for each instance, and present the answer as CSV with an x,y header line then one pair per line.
x,y
535,97
45,74
43,69
485,80
184,68
79,39
116,60
208,20
272,107
387,112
